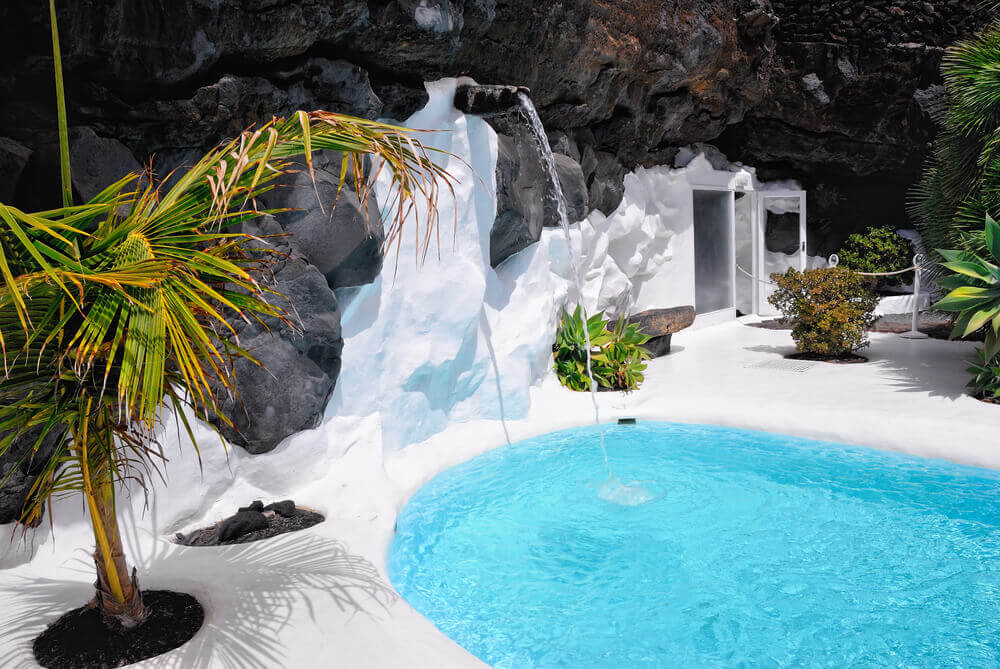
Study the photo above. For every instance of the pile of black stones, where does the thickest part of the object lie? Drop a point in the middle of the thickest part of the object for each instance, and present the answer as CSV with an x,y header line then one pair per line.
x,y
253,523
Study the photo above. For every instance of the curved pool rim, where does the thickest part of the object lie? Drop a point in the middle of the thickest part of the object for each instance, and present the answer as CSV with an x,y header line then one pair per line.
x,y
815,435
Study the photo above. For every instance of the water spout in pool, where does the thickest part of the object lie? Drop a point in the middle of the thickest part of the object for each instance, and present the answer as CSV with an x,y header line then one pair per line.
x,y
613,490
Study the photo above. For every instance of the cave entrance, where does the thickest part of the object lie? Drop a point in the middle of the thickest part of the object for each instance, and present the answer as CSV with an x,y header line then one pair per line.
x,y
714,262
779,242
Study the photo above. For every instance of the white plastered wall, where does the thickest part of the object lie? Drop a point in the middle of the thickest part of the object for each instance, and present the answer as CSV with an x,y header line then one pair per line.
x,y
644,251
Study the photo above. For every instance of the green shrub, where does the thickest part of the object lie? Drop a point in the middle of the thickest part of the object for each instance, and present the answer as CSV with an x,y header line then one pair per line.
x,y
878,249
831,309
974,285
617,356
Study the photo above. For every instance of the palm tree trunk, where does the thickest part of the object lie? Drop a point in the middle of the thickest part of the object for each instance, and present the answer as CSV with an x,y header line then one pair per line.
x,y
118,595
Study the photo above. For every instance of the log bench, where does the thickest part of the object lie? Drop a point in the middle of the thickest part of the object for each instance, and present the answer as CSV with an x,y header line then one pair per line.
x,y
660,325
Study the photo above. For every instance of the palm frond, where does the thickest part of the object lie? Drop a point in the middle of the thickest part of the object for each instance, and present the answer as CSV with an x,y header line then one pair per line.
x,y
113,309
961,182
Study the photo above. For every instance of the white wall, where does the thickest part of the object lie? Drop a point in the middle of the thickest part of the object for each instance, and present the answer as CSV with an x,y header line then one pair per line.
x,y
649,239
454,339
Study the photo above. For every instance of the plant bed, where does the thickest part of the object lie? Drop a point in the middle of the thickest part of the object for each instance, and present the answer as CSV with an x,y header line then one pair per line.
x,y
253,523
840,359
80,639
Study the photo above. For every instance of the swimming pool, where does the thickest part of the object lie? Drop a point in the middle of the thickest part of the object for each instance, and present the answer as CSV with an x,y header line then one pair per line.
x,y
753,549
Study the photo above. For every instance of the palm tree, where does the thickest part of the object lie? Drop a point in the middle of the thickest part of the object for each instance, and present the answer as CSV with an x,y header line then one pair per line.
x,y
114,309
961,182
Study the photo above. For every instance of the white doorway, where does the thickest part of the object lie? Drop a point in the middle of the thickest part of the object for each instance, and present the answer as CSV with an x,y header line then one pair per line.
x,y
714,260
780,242
741,238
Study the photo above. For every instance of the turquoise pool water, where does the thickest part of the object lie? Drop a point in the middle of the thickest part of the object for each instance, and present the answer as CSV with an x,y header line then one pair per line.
x,y
756,549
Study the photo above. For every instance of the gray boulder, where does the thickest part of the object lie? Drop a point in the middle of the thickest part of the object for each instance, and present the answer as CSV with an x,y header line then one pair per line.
x,y
520,196
19,468
97,162
13,159
344,242
574,188
332,85
510,233
606,183
298,368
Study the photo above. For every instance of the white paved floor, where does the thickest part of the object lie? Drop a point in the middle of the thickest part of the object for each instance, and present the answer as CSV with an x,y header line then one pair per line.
x,y
321,598
910,397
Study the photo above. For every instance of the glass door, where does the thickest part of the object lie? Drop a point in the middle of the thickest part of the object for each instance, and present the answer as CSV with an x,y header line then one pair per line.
x,y
745,218
781,240
713,252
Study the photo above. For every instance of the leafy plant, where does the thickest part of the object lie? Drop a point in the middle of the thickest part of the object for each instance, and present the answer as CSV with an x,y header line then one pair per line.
x,y
831,309
878,249
570,349
617,356
985,381
961,182
114,309
974,294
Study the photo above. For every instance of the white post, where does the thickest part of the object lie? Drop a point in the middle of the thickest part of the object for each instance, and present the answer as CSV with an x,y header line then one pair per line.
x,y
914,332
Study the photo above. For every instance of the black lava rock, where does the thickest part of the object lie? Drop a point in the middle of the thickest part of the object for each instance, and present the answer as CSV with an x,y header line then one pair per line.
x,y
244,522
255,505
285,508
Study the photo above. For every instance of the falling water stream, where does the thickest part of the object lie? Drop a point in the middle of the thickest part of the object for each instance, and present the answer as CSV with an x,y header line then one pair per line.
x,y
612,490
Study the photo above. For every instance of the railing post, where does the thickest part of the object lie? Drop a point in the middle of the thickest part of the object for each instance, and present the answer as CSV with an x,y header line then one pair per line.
x,y
915,333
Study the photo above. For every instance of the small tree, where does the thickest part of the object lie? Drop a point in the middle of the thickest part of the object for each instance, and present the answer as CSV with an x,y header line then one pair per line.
x,y
831,309
113,309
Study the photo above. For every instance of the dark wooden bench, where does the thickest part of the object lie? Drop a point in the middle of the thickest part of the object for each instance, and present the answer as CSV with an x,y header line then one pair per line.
x,y
660,325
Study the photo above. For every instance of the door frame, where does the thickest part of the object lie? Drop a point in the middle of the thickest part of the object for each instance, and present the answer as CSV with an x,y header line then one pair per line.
x,y
759,239
728,313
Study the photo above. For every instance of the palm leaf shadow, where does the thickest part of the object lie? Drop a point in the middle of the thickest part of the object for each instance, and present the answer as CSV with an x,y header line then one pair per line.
x,y
262,584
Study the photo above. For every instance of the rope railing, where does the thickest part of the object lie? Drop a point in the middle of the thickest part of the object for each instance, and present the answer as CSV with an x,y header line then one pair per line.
x,y
770,283
918,263
917,267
